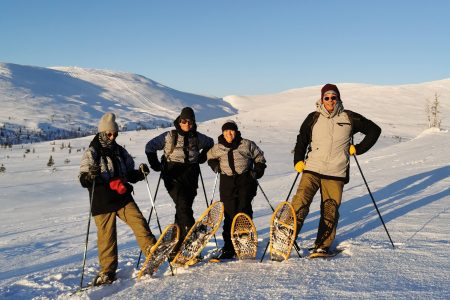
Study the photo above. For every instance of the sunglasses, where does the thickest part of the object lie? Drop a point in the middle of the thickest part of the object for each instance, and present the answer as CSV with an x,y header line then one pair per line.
x,y
186,121
330,98
110,134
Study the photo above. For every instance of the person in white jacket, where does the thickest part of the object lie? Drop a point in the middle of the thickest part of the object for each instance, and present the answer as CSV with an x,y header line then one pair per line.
x,y
322,153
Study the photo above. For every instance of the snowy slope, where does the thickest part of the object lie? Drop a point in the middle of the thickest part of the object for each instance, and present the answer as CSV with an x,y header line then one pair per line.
x,y
71,99
44,216
399,109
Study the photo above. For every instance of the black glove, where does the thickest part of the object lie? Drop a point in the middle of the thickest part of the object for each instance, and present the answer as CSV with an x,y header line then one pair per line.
x,y
202,156
144,169
134,176
258,170
154,162
94,171
215,165
86,180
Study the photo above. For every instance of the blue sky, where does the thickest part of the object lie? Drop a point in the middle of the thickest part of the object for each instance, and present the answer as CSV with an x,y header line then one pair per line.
x,y
238,47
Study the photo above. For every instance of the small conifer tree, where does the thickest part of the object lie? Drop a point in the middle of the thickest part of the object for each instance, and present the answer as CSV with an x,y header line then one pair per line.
x,y
51,162
434,112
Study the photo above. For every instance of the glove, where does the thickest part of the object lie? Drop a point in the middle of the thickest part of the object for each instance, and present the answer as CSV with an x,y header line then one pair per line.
x,y
155,164
352,150
299,166
215,165
94,171
258,170
86,180
118,185
144,169
202,156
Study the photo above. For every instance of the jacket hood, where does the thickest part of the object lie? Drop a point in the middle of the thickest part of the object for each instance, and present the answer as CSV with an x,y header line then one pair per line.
x,y
176,123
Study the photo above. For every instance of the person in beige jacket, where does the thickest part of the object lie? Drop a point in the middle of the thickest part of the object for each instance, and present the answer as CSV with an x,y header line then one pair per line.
x,y
322,153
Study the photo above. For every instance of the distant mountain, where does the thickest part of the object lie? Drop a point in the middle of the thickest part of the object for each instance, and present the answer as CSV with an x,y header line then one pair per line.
x,y
64,102
60,102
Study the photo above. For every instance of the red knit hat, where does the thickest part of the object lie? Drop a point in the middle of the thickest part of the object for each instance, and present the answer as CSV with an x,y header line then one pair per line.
x,y
330,87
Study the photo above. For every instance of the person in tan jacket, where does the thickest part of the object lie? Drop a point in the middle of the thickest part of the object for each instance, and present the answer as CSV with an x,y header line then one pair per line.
x,y
322,153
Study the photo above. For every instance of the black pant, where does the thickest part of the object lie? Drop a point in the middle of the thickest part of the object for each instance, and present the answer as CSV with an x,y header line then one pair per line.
x,y
181,181
236,193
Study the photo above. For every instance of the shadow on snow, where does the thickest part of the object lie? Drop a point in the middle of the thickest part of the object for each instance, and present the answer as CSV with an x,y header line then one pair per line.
x,y
394,200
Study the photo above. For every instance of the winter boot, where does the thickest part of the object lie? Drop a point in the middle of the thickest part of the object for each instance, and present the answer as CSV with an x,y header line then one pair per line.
x,y
227,253
321,250
104,278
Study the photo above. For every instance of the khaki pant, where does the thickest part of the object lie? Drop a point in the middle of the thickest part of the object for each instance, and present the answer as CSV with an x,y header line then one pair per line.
x,y
107,234
331,196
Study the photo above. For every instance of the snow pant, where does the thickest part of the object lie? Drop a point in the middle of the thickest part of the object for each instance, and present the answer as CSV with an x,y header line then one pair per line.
x,y
181,181
331,196
236,193
107,234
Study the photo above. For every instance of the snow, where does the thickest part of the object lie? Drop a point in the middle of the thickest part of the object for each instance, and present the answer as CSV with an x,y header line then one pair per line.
x,y
45,211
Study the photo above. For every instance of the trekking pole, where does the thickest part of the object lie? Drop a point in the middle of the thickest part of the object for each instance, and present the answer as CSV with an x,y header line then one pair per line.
x,y
292,187
149,218
296,247
214,189
206,199
156,213
87,233
373,200
265,196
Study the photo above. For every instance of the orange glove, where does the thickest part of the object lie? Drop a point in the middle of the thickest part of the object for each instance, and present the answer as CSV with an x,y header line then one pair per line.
x,y
300,166
352,150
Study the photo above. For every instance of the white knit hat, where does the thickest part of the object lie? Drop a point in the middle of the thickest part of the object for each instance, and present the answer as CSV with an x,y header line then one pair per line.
x,y
108,123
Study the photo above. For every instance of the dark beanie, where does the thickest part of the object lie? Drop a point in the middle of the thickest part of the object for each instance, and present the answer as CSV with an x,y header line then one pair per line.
x,y
330,87
229,125
187,113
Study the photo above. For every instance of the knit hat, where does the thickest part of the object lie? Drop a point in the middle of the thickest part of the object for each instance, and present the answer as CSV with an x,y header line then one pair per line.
x,y
229,125
108,123
187,113
330,87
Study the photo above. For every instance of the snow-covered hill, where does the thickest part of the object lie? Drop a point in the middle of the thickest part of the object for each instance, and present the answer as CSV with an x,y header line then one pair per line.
x,y
46,103
45,211
49,103
401,110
